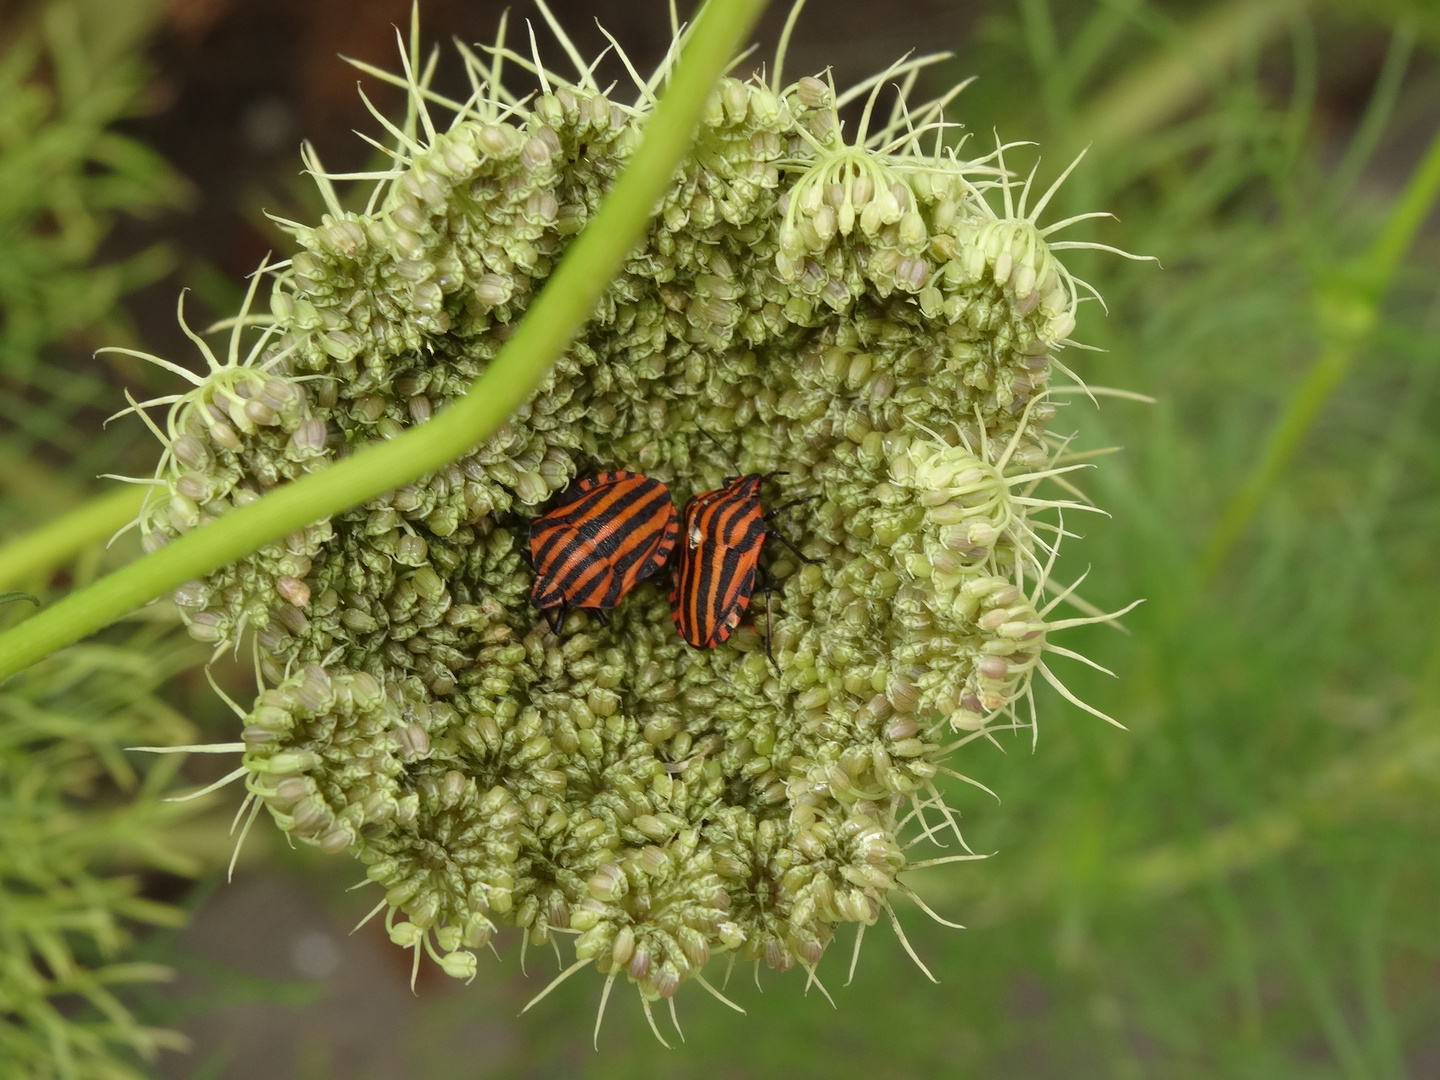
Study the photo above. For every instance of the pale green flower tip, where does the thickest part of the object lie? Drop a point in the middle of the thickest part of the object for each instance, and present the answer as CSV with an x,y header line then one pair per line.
x,y
459,964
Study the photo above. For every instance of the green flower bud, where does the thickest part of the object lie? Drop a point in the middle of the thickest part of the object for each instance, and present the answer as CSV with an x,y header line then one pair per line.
x,y
459,964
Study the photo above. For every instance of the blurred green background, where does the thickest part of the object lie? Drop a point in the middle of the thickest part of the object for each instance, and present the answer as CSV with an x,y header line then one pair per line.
x,y
1243,884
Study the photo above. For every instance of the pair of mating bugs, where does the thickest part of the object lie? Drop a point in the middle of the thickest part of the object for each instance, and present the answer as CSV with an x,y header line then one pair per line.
x,y
613,530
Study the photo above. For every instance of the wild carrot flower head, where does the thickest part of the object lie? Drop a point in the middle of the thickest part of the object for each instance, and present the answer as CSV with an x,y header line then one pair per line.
x,y
877,316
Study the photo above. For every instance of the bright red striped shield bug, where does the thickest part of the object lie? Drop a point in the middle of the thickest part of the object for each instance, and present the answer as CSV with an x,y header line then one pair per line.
x,y
719,560
608,533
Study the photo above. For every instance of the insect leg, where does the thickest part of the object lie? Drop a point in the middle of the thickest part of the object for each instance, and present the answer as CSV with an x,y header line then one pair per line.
x,y
768,584
785,539
788,543
769,655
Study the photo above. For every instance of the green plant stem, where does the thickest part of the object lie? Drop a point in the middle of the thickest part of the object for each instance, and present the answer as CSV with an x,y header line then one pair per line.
x,y
554,318
52,544
1347,309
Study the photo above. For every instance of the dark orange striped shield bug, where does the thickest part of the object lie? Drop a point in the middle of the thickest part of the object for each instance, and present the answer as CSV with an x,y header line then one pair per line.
x,y
609,532
717,565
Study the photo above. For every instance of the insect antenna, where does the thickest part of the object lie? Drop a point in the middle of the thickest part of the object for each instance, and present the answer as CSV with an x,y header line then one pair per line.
x,y
793,502
728,456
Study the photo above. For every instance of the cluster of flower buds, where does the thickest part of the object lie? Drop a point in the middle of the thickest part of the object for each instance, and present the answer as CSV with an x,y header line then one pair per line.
x,y
822,307
963,532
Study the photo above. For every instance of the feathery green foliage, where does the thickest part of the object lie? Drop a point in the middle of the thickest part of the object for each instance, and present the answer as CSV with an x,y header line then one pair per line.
x,y
78,822
64,177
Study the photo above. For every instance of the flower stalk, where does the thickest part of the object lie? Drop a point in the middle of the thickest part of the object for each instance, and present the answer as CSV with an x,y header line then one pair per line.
x,y
1346,316
49,546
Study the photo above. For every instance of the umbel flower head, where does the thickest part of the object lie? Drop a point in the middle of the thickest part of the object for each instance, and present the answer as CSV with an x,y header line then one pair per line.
x,y
878,320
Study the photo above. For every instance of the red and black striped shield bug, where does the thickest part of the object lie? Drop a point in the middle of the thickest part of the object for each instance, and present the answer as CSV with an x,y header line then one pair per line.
x,y
608,533
718,562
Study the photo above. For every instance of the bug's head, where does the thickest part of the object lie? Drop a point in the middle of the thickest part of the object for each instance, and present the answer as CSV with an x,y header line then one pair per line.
x,y
748,484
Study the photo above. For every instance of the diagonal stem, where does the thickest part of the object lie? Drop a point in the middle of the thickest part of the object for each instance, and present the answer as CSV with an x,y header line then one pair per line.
x,y
551,323
50,545
1347,317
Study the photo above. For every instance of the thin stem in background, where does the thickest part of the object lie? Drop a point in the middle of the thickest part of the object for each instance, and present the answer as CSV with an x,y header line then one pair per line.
x,y
1386,1048
1377,113
1347,309
1150,95
1314,979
